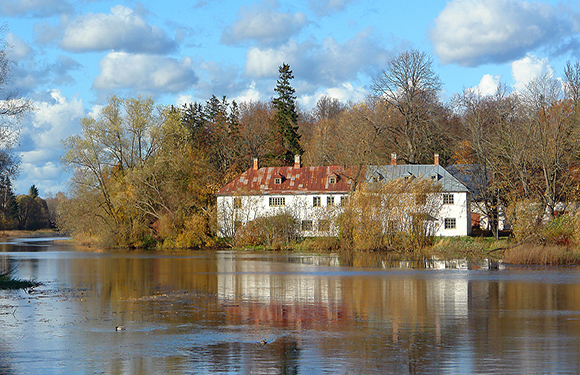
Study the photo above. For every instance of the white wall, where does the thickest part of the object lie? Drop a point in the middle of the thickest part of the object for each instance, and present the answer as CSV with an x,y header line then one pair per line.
x,y
459,211
300,206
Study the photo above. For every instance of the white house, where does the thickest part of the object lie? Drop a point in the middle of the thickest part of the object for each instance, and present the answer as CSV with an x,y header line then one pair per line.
x,y
454,216
313,195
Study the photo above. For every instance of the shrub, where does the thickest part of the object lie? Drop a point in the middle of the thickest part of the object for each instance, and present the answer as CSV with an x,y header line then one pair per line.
x,y
273,231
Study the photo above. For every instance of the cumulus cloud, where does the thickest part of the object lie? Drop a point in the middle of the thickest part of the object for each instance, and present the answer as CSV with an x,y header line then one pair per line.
x,y
144,73
474,32
328,63
263,25
328,7
344,93
122,30
34,8
528,68
56,117
488,85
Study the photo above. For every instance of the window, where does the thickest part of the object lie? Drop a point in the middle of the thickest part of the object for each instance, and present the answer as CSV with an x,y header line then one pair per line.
x,y
237,203
237,225
447,198
316,201
343,200
332,180
450,223
278,180
277,201
323,225
435,177
306,225
330,201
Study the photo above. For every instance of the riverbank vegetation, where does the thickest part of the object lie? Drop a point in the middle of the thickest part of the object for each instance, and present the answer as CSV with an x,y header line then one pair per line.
x,y
145,175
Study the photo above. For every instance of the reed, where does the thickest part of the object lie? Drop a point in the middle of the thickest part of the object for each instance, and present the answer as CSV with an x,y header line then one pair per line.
x,y
542,255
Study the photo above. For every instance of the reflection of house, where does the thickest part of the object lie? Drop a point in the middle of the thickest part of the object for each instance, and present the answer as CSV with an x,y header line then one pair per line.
x,y
454,217
308,193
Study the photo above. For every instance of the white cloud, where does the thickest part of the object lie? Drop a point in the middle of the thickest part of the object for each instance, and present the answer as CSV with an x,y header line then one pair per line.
x,y
34,8
122,30
528,68
145,73
55,118
344,93
326,64
474,32
264,25
251,94
488,85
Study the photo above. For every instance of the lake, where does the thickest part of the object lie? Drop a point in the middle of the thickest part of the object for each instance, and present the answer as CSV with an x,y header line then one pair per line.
x,y
225,312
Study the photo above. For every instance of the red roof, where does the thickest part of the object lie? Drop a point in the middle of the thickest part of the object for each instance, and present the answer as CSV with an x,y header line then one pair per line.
x,y
293,181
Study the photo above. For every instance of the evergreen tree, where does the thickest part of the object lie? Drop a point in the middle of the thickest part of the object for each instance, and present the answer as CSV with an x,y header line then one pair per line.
x,y
285,119
33,192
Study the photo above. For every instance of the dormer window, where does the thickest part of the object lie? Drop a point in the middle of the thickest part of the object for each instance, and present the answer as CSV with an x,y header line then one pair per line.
x,y
278,178
332,178
435,177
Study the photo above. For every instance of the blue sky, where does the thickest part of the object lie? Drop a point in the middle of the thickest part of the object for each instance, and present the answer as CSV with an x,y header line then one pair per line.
x,y
71,54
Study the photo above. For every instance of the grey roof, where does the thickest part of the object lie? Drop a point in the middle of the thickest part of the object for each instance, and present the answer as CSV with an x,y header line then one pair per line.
x,y
430,171
473,176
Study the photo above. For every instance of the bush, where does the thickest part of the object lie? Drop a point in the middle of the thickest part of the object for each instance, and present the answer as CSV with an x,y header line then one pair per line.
x,y
273,231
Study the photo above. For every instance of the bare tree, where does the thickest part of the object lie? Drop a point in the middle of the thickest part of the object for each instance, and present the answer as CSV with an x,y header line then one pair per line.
x,y
12,109
410,85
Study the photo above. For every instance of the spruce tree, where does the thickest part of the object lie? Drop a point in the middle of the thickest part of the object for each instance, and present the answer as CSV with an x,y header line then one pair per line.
x,y
286,118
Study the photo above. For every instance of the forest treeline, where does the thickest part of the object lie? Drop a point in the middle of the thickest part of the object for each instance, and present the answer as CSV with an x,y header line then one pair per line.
x,y
145,174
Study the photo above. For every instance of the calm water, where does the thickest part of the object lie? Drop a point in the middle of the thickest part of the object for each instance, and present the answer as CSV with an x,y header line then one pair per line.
x,y
207,313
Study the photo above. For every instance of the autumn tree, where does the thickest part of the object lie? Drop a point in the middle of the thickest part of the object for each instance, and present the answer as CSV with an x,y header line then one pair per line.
x,y
286,140
121,138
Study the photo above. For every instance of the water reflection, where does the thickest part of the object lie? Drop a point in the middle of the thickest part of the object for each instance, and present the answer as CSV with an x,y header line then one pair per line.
x,y
271,313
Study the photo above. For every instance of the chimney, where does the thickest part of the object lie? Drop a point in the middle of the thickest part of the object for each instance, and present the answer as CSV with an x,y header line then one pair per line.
x,y
436,159
255,164
393,159
297,161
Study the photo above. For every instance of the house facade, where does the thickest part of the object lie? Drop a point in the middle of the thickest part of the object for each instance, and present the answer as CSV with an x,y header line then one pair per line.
x,y
454,214
313,195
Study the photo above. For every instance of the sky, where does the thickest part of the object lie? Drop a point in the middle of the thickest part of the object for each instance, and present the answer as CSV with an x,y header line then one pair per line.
x,y
70,55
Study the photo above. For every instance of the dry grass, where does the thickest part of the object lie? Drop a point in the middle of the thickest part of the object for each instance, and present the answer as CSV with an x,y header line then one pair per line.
x,y
541,255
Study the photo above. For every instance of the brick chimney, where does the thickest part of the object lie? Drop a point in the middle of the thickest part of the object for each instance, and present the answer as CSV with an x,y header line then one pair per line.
x,y
297,161
436,159
393,159
255,164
